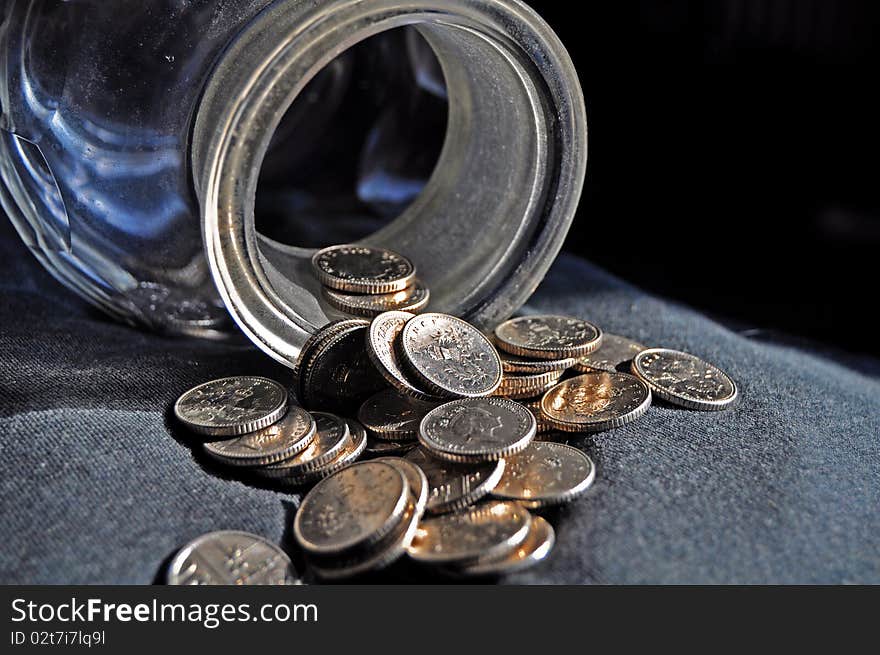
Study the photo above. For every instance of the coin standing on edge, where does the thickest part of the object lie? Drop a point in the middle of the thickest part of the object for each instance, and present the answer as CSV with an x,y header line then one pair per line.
x,y
363,269
546,473
354,508
383,339
450,356
595,402
550,337
231,558
451,486
477,430
282,440
231,406
685,380
614,352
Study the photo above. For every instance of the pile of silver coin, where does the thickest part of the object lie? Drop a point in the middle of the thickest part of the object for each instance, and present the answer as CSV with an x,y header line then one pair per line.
x,y
461,429
366,281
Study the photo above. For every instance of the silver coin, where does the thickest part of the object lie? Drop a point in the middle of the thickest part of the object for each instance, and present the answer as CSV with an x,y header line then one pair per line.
x,y
492,529
282,440
315,340
415,477
477,430
451,486
378,448
450,356
594,402
613,353
392,416
685,380
374,558
350,453
331,437
339,373
231,558
528,382
383,341
533,550
354,508
363,269
414,298
551,337
526,393
516,364
231,406
545,473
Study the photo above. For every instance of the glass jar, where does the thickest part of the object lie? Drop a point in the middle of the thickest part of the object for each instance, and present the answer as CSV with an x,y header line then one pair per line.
x,y
177,162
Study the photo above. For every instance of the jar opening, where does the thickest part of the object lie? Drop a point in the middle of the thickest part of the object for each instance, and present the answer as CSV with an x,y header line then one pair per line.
x,y
491,216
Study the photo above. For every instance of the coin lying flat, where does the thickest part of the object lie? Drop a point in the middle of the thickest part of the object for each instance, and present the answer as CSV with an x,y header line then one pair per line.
x,y
392,416
685,380
363,269
594,402
528,382
545,473
611,355
478,534
477,430
379,448
413,298
231,558
535,549
331,437
231,406
354,508
339,373
517,364
450,356
376,557
551,337
354,447
282,440
451,486
382,348
415,477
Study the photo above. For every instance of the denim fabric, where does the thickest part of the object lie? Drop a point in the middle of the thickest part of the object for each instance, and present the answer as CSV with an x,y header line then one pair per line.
x,y
99,486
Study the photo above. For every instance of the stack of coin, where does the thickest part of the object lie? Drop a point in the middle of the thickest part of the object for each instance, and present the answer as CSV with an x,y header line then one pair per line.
x,y
366,281
255,430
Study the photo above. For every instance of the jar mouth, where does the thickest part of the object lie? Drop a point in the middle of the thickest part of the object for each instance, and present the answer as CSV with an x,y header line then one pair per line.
x,y
493,215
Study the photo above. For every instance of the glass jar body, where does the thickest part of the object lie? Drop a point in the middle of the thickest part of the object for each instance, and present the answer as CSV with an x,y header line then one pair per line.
x,y
132,144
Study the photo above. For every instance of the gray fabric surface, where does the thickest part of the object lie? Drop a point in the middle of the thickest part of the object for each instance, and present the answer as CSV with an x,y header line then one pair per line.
x,y
99,486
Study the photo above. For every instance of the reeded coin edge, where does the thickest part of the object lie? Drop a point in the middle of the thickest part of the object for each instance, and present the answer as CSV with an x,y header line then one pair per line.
x,y
678,399
172,571
588,427
232,429
363,285
558,498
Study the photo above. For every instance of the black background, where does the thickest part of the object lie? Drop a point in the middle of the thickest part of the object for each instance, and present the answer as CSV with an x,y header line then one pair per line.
x,y
734,156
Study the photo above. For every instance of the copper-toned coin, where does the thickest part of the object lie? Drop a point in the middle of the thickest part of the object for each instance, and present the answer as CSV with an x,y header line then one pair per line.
x,y
550,337
614,352
411,299
546,473
595,402
685,380
363,269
